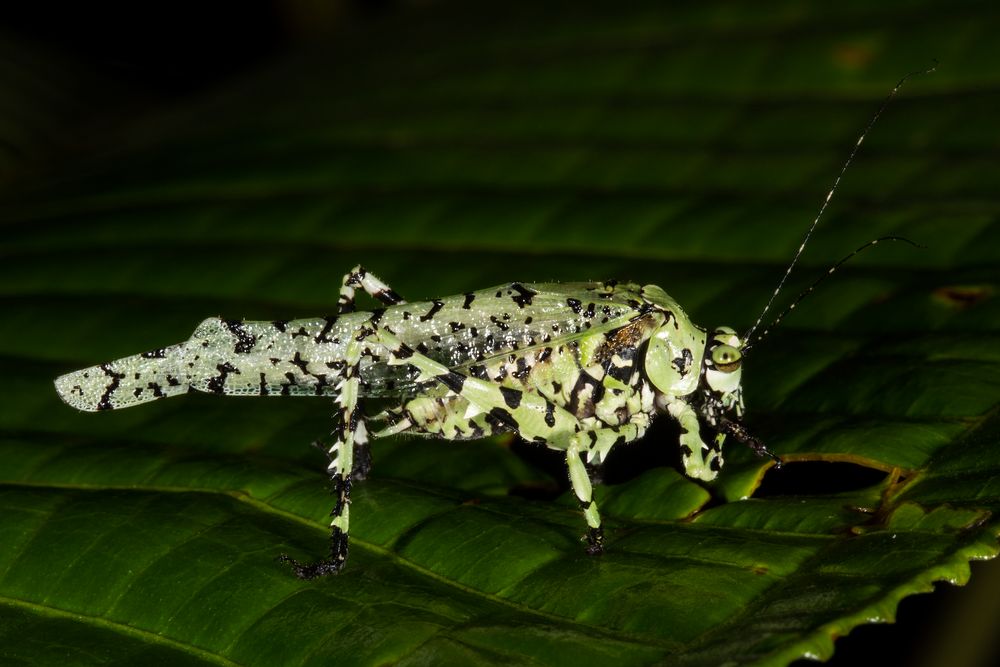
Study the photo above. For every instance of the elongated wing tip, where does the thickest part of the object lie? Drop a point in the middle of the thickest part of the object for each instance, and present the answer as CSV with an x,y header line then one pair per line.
x,y
125,382
83,389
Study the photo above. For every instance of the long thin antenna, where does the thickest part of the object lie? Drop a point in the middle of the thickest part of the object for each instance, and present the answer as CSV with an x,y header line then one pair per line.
x,y
829,196
806,292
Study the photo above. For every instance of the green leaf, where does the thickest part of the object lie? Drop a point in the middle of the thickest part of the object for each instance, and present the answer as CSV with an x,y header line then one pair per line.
x,y
448,150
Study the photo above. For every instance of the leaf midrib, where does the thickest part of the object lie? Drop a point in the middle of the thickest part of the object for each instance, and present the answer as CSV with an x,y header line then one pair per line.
x,y
120,628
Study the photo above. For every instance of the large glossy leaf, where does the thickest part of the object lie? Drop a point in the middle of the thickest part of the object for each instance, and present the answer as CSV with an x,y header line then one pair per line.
x,y
449,149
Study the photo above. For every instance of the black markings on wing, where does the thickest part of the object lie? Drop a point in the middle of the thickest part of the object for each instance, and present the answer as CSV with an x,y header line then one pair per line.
x,y
523,295
217,384
245,340
522,369
300,363
476,328
324,333
105,401
297,358
125,382
499,323
286,387
435,307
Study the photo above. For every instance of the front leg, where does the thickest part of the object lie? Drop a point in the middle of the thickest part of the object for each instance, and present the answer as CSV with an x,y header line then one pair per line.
x,y
701,461
374,287
740,433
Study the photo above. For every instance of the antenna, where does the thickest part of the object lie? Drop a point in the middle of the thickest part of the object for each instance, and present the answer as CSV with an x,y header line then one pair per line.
x,y
806,292
826,202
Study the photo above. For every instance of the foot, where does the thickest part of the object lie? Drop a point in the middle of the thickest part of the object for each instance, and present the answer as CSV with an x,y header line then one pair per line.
x,y
595,541
308,571
740,432
321,568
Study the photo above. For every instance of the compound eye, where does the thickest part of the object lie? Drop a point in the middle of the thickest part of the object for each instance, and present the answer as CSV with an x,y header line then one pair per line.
x,y
726,358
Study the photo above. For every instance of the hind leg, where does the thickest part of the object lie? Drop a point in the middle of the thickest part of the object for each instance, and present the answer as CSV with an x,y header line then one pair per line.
x,y
375,288
378,290
349,434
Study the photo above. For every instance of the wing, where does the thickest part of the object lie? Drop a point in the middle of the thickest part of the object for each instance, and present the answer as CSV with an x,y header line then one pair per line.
x,y
477,326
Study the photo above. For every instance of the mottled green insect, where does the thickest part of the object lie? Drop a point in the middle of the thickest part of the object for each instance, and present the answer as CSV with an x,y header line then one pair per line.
x,y
577,367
